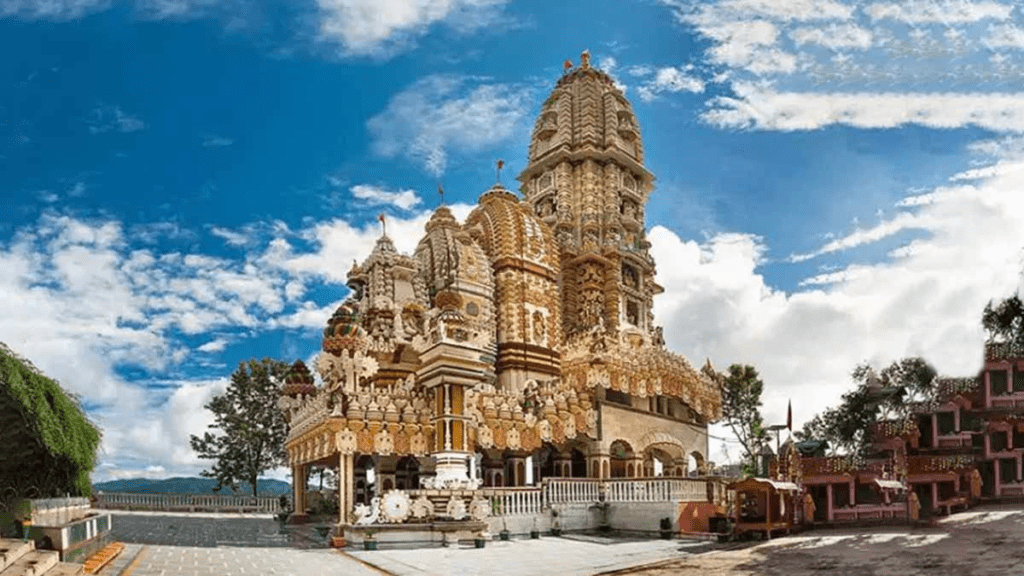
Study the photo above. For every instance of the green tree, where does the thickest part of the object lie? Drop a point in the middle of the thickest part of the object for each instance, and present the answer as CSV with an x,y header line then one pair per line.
x,y
893,393
1004,320
741,410
253,428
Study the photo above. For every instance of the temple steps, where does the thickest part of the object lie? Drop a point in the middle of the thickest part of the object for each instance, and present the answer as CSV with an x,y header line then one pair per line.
x,y
20,558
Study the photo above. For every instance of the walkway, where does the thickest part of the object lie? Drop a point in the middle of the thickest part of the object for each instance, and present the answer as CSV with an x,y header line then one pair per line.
x,y
146,560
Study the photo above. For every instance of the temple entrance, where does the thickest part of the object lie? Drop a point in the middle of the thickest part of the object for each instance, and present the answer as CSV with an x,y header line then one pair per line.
x,y
365,478
407,473
579,464
623,460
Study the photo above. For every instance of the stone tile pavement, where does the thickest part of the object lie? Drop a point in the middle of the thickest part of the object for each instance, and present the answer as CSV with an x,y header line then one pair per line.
x,y
211,530
146,560
562,556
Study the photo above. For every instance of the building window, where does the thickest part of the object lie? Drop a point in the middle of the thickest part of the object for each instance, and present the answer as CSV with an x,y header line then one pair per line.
x,y
633,312
1018,380
630,277
997,378
617,397
946,423
998,441
1007,470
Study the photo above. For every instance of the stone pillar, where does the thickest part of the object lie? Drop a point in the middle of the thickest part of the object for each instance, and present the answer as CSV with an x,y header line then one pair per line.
x,y
563,466
451,427
346,487
299,489
638,467
935,430
828,502
598,466
935,495
956,418
515,470
997,464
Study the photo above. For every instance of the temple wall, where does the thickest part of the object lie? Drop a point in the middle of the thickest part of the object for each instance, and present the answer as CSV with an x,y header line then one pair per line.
x,y
638,428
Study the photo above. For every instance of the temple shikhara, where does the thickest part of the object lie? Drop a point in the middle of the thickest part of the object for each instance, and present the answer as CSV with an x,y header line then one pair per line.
x,y
512,349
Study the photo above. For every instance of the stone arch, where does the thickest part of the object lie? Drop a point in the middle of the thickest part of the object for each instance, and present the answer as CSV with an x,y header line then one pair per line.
x,y
699,464
621,457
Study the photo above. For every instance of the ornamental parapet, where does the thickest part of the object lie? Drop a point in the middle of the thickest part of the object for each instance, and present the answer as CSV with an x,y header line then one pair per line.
x,y
827,466
920,465
1003,350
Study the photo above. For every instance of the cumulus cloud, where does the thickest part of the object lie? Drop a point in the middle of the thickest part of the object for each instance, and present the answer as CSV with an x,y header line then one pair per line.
x,y
386,27
669,79
809,64
444,114
376,196
760,107
925,299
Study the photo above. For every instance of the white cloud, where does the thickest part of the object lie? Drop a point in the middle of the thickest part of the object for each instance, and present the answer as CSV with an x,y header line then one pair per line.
x,y
217,345
442,114
233,237
833,36
107,118
51,9
1005,36
762,108
861,236
385,27
375,196
174,9
925,300
670,79
938,11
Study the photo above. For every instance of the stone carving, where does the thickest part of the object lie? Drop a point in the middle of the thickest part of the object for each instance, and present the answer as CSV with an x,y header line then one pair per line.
x,y
384,443
479,508
455,509
484,437
366,515
512,439
396,506
422,508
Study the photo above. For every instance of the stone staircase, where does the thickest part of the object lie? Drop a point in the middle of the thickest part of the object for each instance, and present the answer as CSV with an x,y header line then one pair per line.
x,y
20,558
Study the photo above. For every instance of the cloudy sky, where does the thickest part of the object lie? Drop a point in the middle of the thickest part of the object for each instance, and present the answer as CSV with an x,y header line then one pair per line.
x,y
185,182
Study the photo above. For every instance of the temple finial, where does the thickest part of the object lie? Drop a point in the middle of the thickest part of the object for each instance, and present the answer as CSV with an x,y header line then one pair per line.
x,y
501,164
440,193
585,59
383,224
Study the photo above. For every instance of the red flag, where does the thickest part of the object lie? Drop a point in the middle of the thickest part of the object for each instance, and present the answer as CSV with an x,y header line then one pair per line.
x,y
789,416
567,65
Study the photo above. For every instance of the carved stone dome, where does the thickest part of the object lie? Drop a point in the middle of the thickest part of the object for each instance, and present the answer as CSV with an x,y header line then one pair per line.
x,y
507,229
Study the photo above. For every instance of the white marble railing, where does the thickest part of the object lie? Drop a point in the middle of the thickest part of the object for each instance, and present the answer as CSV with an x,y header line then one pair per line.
x,y
186,502
656,490
571,490
516,501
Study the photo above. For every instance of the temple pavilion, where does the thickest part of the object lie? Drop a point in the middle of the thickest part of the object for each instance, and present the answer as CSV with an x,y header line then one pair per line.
x,y
516,346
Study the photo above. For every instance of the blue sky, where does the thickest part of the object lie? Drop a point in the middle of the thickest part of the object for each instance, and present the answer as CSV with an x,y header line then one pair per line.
x,y
185,182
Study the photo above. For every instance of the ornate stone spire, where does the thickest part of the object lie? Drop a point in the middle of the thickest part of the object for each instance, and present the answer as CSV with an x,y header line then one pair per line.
x,y
586,180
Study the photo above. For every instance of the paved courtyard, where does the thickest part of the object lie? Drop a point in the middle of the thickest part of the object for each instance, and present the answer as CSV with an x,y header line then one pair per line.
x,y
977,543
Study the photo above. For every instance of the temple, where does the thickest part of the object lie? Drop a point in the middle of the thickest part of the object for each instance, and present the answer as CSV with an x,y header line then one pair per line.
x,y
517,346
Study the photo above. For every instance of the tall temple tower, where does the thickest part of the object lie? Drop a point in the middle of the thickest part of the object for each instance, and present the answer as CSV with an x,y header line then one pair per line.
x,y
587,181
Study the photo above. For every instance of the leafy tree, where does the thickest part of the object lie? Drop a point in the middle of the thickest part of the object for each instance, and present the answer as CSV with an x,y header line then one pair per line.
x,y
1004,321
892,393
253,428
741,410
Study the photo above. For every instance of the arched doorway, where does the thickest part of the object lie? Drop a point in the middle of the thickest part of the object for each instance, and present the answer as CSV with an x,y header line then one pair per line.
x,y
695,464
365,479
622,459
407,473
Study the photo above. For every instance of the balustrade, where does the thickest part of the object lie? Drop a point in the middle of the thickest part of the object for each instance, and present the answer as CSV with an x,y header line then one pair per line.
x,y
187,502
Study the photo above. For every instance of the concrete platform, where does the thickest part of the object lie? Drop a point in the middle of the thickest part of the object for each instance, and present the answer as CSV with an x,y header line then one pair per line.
x,y
20,558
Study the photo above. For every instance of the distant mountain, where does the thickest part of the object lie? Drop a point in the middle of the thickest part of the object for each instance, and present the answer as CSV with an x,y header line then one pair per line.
x,y
266,487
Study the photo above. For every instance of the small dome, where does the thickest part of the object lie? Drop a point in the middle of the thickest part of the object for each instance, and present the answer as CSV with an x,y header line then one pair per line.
x,y
344,321
298,381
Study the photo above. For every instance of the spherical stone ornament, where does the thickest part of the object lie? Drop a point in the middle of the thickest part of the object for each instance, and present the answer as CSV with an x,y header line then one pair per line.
x,y
484,437
396,506
479,508
512,439
384,443
456,508
346,441
422,508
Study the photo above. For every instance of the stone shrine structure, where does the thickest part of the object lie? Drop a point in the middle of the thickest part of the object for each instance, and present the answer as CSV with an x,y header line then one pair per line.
x,y
523,336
